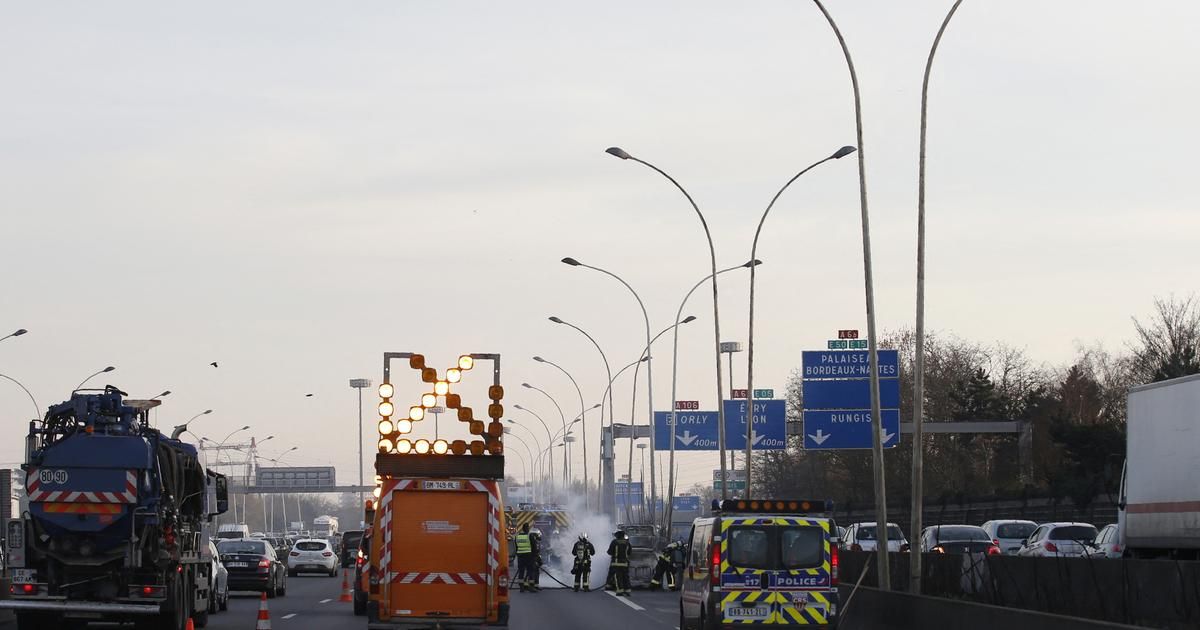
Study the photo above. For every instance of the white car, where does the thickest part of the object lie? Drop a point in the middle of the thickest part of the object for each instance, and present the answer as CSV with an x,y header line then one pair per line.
x,y
1009,534
312,555
864,537
218,585
1060,540
1108,543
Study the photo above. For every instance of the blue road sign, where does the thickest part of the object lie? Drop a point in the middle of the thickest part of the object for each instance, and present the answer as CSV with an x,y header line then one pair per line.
x,y
850,394
770,424
848,364
845,429
686,504
697,431
629,492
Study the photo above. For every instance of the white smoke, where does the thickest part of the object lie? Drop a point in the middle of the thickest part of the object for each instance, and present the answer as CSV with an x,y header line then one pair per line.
x,y
558,558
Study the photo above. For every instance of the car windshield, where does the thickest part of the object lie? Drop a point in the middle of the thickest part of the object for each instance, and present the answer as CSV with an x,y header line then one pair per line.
x,y
310,545
242,546
958,532
867,532
1085,533
776,547
1015,530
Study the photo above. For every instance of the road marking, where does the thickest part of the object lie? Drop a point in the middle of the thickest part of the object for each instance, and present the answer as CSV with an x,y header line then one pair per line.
x,y
288,616
326,601
626,601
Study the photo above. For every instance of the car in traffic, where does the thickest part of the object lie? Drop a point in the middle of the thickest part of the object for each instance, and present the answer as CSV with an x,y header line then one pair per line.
x,y
312,555
864,537
1060,540
957,539
253,566
1108,543
218,581
350,540
1009,534
362,574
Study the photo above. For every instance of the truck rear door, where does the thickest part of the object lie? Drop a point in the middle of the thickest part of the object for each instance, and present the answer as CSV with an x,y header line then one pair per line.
x,y
440,555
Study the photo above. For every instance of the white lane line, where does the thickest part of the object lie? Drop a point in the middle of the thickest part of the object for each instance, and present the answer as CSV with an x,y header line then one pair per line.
x,y
626,601
288,616
326,601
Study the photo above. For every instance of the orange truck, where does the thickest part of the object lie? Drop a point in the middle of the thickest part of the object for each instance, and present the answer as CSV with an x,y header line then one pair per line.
x,y
439,557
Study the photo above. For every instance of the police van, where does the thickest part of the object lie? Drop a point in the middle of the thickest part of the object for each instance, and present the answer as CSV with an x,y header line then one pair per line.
x,y
760,562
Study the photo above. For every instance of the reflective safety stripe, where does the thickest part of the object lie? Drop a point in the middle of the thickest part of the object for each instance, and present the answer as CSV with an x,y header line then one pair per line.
x,y
523,544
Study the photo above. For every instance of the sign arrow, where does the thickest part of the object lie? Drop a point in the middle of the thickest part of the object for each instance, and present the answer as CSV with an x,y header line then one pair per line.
x,y
687,438
756,438
820,437
884,436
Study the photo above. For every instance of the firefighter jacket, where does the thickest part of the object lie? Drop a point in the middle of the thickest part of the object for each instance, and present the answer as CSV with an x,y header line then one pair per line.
x,y
619,550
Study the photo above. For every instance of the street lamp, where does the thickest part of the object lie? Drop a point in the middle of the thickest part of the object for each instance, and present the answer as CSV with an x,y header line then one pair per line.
x,y
885,580
162,395
180,429
564,421
583,416
17,333
231,434
649,371
36,407
104,371
837,155
545,426
918,472
674,373
529,451
360,384
604,507
712,253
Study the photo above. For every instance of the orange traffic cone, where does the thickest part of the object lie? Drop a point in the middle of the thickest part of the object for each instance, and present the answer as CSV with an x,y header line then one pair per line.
x,y
345,587
191,625
264,615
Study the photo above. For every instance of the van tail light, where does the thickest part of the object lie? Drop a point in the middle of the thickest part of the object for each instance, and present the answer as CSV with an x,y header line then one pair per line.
x,y
28,589
715,574
996,541
855,547
833,565
1051,547
264,563
359,561
1116,548
938,549
993,550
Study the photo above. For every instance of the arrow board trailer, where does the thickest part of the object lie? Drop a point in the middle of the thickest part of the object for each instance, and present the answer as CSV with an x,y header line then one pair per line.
x,y
846,429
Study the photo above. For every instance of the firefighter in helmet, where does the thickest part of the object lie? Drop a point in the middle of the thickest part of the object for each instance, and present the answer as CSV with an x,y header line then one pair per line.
x,y
525,558
582,569
619,550
665,568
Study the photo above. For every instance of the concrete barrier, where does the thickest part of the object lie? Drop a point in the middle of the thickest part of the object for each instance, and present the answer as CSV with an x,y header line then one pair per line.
x,y
873,609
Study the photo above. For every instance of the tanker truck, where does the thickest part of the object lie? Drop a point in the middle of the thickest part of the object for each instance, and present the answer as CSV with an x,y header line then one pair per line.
x,y
112,523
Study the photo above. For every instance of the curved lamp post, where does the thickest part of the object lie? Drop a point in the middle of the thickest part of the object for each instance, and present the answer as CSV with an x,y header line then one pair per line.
x,y
563,417
180,429
537,447
918,473
837,155
885,579
712,252
583,427
104,371
668,505
649,371
16,333
608,374
545,426
36,407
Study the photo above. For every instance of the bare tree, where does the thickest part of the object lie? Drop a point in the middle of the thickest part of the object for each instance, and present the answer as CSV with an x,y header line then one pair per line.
x,y
1168,345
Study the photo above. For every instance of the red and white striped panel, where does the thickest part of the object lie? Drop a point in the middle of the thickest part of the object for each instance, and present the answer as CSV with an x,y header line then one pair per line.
x,y
128,495
493,491
441,578
385,500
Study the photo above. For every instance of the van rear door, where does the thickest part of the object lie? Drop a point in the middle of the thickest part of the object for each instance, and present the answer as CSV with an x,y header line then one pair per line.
x,y
439,555
776,570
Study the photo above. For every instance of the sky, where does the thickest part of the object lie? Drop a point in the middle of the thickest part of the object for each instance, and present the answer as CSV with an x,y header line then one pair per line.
x,y
291,189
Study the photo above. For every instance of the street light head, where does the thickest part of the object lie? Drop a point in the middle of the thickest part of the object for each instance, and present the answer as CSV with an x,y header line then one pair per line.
x,y
618,152
843,152
752,263
517,407
644,359
107,369
165,393
571,261
595,405
204,413
20,331
555,319
244,428
526,385
539,359
689,318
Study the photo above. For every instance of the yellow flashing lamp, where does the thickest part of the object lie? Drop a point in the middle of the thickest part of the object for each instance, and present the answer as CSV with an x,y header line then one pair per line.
x,y
441,388
404,447
386,427
386,409
466,362
416,414
458,447
773,506
428,400
440,447
404,426
453,375
386,390
422,446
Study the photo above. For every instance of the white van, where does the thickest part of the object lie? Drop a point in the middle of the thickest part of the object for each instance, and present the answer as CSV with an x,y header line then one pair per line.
x,y
233,531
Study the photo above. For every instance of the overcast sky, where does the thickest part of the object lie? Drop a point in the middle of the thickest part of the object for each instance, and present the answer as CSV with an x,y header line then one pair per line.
x,y
292,188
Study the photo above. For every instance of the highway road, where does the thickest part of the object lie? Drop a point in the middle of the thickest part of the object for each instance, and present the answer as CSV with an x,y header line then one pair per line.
x,y
312,602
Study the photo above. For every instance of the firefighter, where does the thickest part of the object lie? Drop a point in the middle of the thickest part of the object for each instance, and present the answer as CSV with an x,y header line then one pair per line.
x,y
665,567
619,549
582,570
525,548
535,536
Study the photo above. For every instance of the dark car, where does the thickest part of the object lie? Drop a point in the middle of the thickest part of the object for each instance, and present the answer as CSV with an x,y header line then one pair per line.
x,y
350,546
957,539
362,557
253,566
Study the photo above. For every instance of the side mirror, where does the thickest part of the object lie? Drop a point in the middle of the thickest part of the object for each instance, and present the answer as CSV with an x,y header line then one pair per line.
x,y
222,494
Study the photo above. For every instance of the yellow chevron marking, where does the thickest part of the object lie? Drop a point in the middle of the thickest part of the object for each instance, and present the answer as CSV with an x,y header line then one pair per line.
x,y
825,526
816,615
826,567
819,597
724,566
753,596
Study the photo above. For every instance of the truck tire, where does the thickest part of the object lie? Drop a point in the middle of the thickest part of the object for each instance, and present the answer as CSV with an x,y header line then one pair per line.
x,y
200,619
223,603
360,604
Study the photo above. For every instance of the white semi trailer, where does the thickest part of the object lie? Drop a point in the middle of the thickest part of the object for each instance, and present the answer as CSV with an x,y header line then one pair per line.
x,y
1160,489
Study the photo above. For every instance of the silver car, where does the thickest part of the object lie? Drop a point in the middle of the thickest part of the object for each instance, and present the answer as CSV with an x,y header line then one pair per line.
x,y
1108,543
864,537
218,588
1060,540
1009,534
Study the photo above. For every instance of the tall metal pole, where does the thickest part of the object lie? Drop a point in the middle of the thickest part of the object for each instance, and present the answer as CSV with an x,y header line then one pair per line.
x,y
918,463
37,408
360,384
582,419
604,470
840,153
885,580
712,252
566,482
549,439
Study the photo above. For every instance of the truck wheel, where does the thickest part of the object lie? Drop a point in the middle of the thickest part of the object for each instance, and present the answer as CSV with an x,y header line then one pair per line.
x,y
360,604
200,619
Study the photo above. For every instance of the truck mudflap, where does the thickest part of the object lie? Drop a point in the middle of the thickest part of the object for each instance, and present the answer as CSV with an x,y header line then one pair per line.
x,y
64,606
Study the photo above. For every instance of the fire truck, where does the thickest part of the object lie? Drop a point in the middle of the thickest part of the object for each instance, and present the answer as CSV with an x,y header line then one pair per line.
x,y
438,555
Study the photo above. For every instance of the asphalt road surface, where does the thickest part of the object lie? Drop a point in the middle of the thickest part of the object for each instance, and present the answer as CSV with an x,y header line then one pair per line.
x,y
312,602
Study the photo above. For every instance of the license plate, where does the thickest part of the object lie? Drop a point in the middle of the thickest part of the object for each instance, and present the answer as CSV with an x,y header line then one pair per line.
x,y
238,565
24,576
441,485
747,612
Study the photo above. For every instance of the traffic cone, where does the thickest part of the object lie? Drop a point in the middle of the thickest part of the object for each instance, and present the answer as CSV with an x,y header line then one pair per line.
x,y
264,615
345,587
191,625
